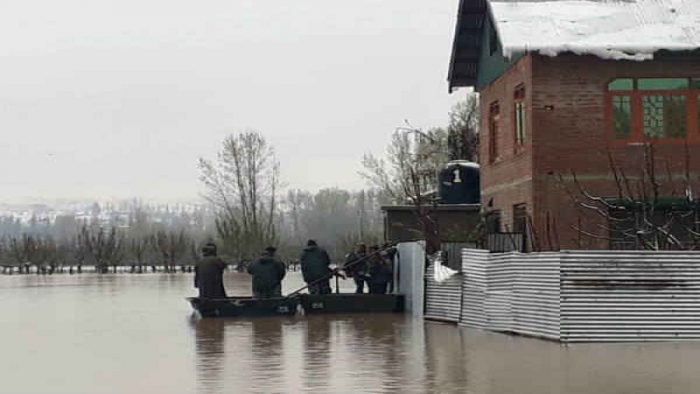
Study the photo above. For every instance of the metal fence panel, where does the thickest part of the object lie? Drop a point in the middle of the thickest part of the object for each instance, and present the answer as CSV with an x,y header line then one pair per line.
x,y
584,296
443,301
630,296
512,292
474,287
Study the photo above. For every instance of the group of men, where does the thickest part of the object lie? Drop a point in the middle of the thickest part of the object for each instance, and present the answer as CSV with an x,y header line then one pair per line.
x,y
373,268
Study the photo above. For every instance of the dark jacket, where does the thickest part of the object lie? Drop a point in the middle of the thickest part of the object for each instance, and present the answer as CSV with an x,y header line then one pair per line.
x,y
379,270
315,264
356,269
267,272
208,277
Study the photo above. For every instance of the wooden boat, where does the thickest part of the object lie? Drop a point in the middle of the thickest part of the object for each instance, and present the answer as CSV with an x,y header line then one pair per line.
x,y
312,304
352,303
243,306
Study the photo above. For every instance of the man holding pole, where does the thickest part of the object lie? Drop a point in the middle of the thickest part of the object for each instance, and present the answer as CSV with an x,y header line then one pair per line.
x,y
315,268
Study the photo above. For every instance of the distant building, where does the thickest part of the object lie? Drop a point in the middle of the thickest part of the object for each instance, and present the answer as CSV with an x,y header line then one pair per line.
x,y
564,86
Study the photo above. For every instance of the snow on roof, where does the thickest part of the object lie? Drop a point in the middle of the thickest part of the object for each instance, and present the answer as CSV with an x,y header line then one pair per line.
x,y
610,29
463,163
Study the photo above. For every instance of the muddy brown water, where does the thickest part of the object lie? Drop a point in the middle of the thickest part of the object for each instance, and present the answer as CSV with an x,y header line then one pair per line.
x,y
135,334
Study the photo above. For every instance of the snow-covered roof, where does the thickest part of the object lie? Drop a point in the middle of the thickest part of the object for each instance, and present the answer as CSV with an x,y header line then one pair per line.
x,y
463,163
611,29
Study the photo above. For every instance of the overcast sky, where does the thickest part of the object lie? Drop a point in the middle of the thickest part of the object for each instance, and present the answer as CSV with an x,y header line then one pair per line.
x,y
118,98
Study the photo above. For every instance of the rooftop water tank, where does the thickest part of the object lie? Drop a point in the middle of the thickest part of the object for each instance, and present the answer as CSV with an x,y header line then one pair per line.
x,y
459,183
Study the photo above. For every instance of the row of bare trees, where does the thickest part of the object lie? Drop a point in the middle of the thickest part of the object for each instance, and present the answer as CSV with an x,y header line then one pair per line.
x,y
101,248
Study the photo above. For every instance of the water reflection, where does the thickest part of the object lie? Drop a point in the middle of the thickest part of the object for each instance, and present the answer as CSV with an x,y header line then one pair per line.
x,y
128,334
209,339
317,352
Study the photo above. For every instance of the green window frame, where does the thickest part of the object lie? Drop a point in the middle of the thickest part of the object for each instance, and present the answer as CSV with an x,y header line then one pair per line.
x,y
654,108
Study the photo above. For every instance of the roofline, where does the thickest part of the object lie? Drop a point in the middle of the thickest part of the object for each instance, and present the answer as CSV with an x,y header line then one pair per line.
x,y
450,70
475,8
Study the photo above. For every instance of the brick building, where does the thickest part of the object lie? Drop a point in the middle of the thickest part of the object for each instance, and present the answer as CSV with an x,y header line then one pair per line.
x,y
573,94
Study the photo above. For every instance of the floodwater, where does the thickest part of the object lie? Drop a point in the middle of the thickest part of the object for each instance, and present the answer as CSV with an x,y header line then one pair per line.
x,y
135,334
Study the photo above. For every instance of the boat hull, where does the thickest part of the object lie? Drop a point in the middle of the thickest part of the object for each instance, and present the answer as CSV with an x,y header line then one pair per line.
x,y
352,303
244,306
311,304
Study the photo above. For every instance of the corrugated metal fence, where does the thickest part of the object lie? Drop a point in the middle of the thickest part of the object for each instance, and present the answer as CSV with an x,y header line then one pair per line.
x,y
630,296
575,296
443,301
512,292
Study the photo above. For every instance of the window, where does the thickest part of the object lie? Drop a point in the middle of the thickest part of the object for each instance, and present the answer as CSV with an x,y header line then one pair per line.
x,y
654,109
519,118
622,116
494,128
664,116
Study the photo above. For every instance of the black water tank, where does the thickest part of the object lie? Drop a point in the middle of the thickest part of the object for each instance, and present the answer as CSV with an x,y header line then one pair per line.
x,y
459,183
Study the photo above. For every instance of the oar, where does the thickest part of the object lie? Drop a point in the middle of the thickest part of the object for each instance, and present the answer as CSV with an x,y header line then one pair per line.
x,y
335,271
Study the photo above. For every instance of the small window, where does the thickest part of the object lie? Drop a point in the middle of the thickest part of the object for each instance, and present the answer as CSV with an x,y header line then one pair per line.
x,y
665,116
622,116
696,83
662,83
494,131
621,84
519,121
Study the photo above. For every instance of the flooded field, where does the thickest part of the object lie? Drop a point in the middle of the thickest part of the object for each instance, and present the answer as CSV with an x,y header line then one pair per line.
x,y
135,334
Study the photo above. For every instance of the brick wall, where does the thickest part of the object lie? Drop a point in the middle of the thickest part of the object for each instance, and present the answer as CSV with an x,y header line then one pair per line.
x,y
507,181
566,131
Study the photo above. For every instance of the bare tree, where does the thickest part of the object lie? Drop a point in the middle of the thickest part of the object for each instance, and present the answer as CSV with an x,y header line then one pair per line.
x,y
104,247
463,130
648,211
242,185
137,251
409,174
172,246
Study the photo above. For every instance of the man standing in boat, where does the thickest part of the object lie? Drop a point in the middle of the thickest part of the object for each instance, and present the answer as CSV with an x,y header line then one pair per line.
x,y
267,272
209,273
315,268
379,270
356,268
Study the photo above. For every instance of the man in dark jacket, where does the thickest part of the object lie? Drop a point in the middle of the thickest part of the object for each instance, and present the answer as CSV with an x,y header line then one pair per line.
x,y
208,274
315,265
380,272
358,270
267,272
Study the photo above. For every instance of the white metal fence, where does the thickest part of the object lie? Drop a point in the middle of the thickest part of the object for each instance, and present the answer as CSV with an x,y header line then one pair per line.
x,y
575,296
443,301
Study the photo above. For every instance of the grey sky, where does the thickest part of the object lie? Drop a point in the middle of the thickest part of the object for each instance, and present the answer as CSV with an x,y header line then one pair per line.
x,y
118,98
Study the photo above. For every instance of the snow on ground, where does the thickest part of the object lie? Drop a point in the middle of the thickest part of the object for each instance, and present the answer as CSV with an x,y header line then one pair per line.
x,y
610,29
